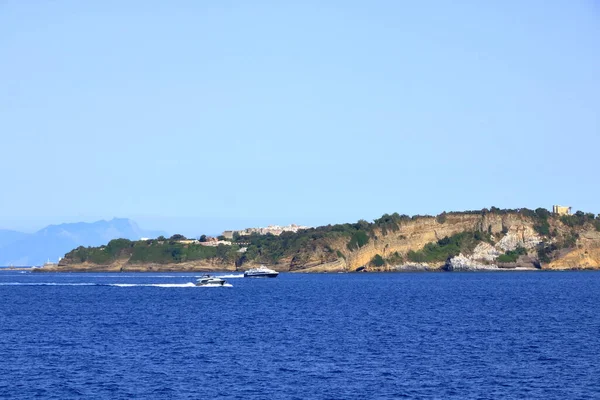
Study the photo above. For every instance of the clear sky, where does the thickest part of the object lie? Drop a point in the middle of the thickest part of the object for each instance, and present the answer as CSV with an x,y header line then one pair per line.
x,y
198,116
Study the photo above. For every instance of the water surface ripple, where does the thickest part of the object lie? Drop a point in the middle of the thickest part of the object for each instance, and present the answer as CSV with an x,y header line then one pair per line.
x,y
340,336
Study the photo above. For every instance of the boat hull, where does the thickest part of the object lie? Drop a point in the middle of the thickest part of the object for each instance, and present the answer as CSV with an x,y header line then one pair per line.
x,y
267,275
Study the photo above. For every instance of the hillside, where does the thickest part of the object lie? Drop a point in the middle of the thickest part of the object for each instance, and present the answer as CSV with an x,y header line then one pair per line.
x,y
9,236
474,240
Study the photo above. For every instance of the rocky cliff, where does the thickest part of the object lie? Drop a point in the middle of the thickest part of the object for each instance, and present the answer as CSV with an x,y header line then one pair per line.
x,y
483,240
511,231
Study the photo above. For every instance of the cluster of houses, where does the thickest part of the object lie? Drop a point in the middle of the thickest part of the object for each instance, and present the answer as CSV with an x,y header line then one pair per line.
x,y
206,241
209,241
272,229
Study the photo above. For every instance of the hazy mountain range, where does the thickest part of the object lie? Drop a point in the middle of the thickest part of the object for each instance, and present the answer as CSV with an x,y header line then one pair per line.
x,y
53,241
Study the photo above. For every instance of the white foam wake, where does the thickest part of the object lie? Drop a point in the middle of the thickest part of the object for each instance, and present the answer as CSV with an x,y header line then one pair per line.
x,y
230,276
189,284
45,284
120,275
165,285
217,285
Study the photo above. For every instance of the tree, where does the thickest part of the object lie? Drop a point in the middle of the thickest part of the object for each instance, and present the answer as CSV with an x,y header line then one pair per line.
x,y
542,213
177,236
441,218
203,238
362,225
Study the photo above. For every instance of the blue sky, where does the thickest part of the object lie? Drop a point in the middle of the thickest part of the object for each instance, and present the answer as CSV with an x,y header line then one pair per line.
x,y
196,117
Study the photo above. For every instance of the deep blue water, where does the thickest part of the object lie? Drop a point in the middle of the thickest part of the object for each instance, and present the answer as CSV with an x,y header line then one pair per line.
x,y
337,336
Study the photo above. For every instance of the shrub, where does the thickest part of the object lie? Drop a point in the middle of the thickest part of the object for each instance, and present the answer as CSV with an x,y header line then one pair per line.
x,y
505,258
543,256
358,240
542,213
512,255
116,246
528,213
545,252
542,227
569,240
387,223
577,219
378,261
483,236
416,256
441,250
395,259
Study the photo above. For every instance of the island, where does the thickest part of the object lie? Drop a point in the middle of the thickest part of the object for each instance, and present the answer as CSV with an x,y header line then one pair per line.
x,y
482,240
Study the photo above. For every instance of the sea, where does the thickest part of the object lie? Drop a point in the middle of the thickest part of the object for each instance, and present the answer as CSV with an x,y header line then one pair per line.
x,y
494,335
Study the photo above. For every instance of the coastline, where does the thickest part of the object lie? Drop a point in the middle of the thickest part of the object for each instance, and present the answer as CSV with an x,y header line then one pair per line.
x,y
156,268
188,267
486,240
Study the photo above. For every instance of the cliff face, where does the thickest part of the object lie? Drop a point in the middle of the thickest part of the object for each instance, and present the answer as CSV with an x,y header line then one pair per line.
x,y
508,232
585,256
497,240
415,234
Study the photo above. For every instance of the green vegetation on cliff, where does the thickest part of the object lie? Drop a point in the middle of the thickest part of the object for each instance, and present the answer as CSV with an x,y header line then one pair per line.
x,y
344,241
358,240
512,255
395,259
578,219
271,249
377,261
452,246
150,251
390,223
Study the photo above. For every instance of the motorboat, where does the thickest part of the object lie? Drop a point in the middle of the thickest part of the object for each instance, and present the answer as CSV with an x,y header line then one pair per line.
x,y
260,272
208,280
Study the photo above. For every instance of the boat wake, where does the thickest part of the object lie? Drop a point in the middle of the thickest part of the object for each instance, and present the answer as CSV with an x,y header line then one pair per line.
x,y
168,285
189,284
229,276
164,285
46,284
217,285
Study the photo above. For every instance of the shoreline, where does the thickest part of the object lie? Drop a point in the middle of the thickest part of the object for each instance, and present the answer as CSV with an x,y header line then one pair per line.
x,y
212,271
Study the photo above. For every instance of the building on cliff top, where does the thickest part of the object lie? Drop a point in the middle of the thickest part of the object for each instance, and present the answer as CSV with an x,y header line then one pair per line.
x,y
561,210
272,229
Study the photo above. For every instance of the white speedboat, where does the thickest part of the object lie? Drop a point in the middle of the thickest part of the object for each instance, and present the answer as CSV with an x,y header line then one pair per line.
x,y
260,272
208,280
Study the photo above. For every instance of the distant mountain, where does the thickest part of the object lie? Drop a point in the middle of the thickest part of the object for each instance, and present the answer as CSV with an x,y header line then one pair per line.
x,y
7,236
54,241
